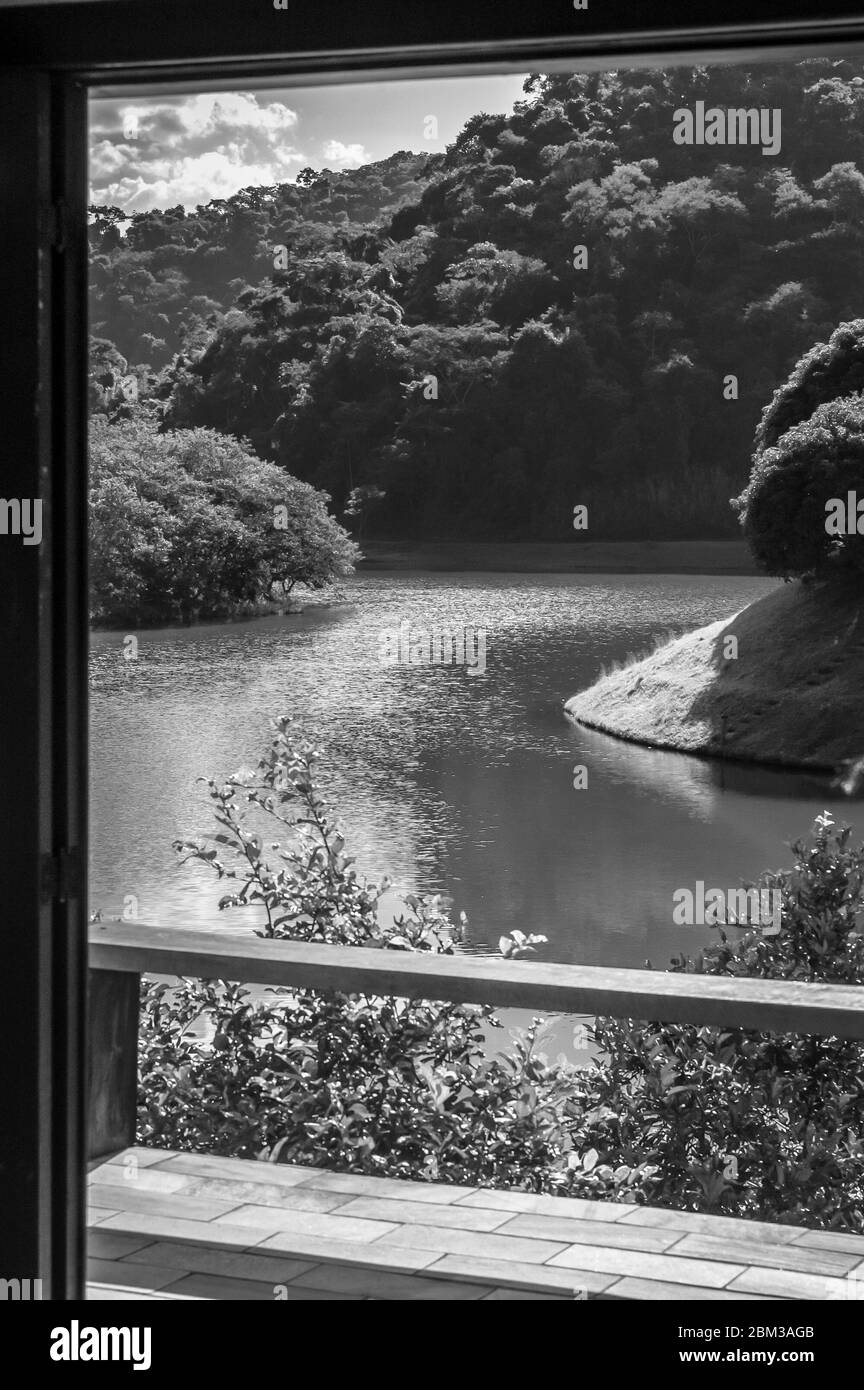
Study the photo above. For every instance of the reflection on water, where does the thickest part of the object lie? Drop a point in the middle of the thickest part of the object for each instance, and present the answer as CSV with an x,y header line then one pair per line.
x,y
447,781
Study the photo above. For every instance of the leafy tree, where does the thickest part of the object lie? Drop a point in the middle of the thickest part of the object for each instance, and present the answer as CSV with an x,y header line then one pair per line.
x,y
189,525
500,285
828,372
786,508
699,265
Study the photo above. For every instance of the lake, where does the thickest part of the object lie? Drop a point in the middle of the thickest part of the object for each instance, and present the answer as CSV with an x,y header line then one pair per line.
x,y
448,781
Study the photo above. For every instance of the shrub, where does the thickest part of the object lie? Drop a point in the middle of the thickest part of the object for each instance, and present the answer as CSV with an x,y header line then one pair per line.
x,y
183,526
744,1123
733,1121
783,508
382,1085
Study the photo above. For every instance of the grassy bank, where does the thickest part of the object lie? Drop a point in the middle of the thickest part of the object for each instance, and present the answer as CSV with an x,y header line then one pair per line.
x,y
557,557
779,682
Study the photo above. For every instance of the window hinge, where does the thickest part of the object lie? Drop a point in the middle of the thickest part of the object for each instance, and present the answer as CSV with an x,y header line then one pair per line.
x,y
61,876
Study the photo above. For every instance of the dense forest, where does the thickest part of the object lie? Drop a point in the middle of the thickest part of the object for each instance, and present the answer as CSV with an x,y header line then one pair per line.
x,y
420,339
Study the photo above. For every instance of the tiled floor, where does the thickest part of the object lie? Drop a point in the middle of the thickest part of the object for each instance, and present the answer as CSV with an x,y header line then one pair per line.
x,y
171,1226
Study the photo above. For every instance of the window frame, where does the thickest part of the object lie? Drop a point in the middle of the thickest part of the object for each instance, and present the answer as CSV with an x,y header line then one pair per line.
x,y
54,56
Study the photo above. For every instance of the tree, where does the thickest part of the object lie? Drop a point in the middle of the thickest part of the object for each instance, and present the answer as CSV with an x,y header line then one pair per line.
x,y
501,285
828,372
786,509
700,264
104,230
189,525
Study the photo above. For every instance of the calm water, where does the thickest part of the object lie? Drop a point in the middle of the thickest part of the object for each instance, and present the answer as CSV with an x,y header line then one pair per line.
x,y
446,781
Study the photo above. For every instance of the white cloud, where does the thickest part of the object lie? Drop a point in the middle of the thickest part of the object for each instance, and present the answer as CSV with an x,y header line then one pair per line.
x,y
190,149
341,156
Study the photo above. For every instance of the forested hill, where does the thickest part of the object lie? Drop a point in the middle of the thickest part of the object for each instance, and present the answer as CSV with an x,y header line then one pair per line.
x,y
430,338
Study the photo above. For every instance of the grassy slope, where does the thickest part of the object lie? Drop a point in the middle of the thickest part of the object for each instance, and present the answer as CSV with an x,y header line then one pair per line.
x,y
794,695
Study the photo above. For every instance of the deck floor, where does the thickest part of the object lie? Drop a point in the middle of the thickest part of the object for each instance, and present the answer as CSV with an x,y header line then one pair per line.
x,y
172,1226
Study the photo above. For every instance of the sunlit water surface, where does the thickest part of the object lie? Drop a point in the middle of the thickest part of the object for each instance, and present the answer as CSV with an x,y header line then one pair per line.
x,y
446,781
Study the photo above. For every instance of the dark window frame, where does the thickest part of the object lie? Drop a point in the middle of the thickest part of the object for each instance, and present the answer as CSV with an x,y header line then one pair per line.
x,y
53,56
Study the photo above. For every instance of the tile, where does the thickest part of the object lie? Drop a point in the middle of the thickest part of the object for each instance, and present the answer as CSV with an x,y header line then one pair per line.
x,y
844,1241
786,1283
523,1295
96,1215
333,1227
113,1245
108,1293
575,1208
200,1232
262,1194
130,1197
610,1233
486,1245
364,1186
348,1252
243,1290
803,1259
701,1223
244,1169
142,1276
675,1271
98,1202
144,1156
567,1283
423,1213
655,1289
201,1259
142,1179
383,1284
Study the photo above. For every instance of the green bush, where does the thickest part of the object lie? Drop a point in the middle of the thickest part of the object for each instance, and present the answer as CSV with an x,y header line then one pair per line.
x,y
184,526
751,1124
783,509
379,1085
736,1122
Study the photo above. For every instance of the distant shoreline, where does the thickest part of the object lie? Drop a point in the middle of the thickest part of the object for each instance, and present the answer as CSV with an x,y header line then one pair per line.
x,y
561,557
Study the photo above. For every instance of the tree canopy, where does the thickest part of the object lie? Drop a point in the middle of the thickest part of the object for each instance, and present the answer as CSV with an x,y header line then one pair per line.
x,y
430,330
190,524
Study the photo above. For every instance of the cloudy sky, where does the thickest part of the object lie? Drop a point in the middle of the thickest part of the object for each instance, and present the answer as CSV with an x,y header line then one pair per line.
x,y
148,152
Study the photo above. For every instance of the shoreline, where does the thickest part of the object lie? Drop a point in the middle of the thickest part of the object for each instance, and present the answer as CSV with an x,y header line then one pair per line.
x,y
729,557
722,558
775,684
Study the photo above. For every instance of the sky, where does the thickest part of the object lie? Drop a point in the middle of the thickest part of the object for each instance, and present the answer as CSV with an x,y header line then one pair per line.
x,y
156,152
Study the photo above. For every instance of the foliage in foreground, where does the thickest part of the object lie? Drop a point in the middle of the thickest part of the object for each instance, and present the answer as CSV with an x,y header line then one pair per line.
x,y
378,1085
185,526
724,1120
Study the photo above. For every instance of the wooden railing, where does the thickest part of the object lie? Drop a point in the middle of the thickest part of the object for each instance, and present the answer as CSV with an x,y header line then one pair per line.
x,y
120,953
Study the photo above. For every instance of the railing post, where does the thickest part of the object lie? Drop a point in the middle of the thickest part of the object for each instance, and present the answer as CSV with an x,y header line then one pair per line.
x,y
112,1062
